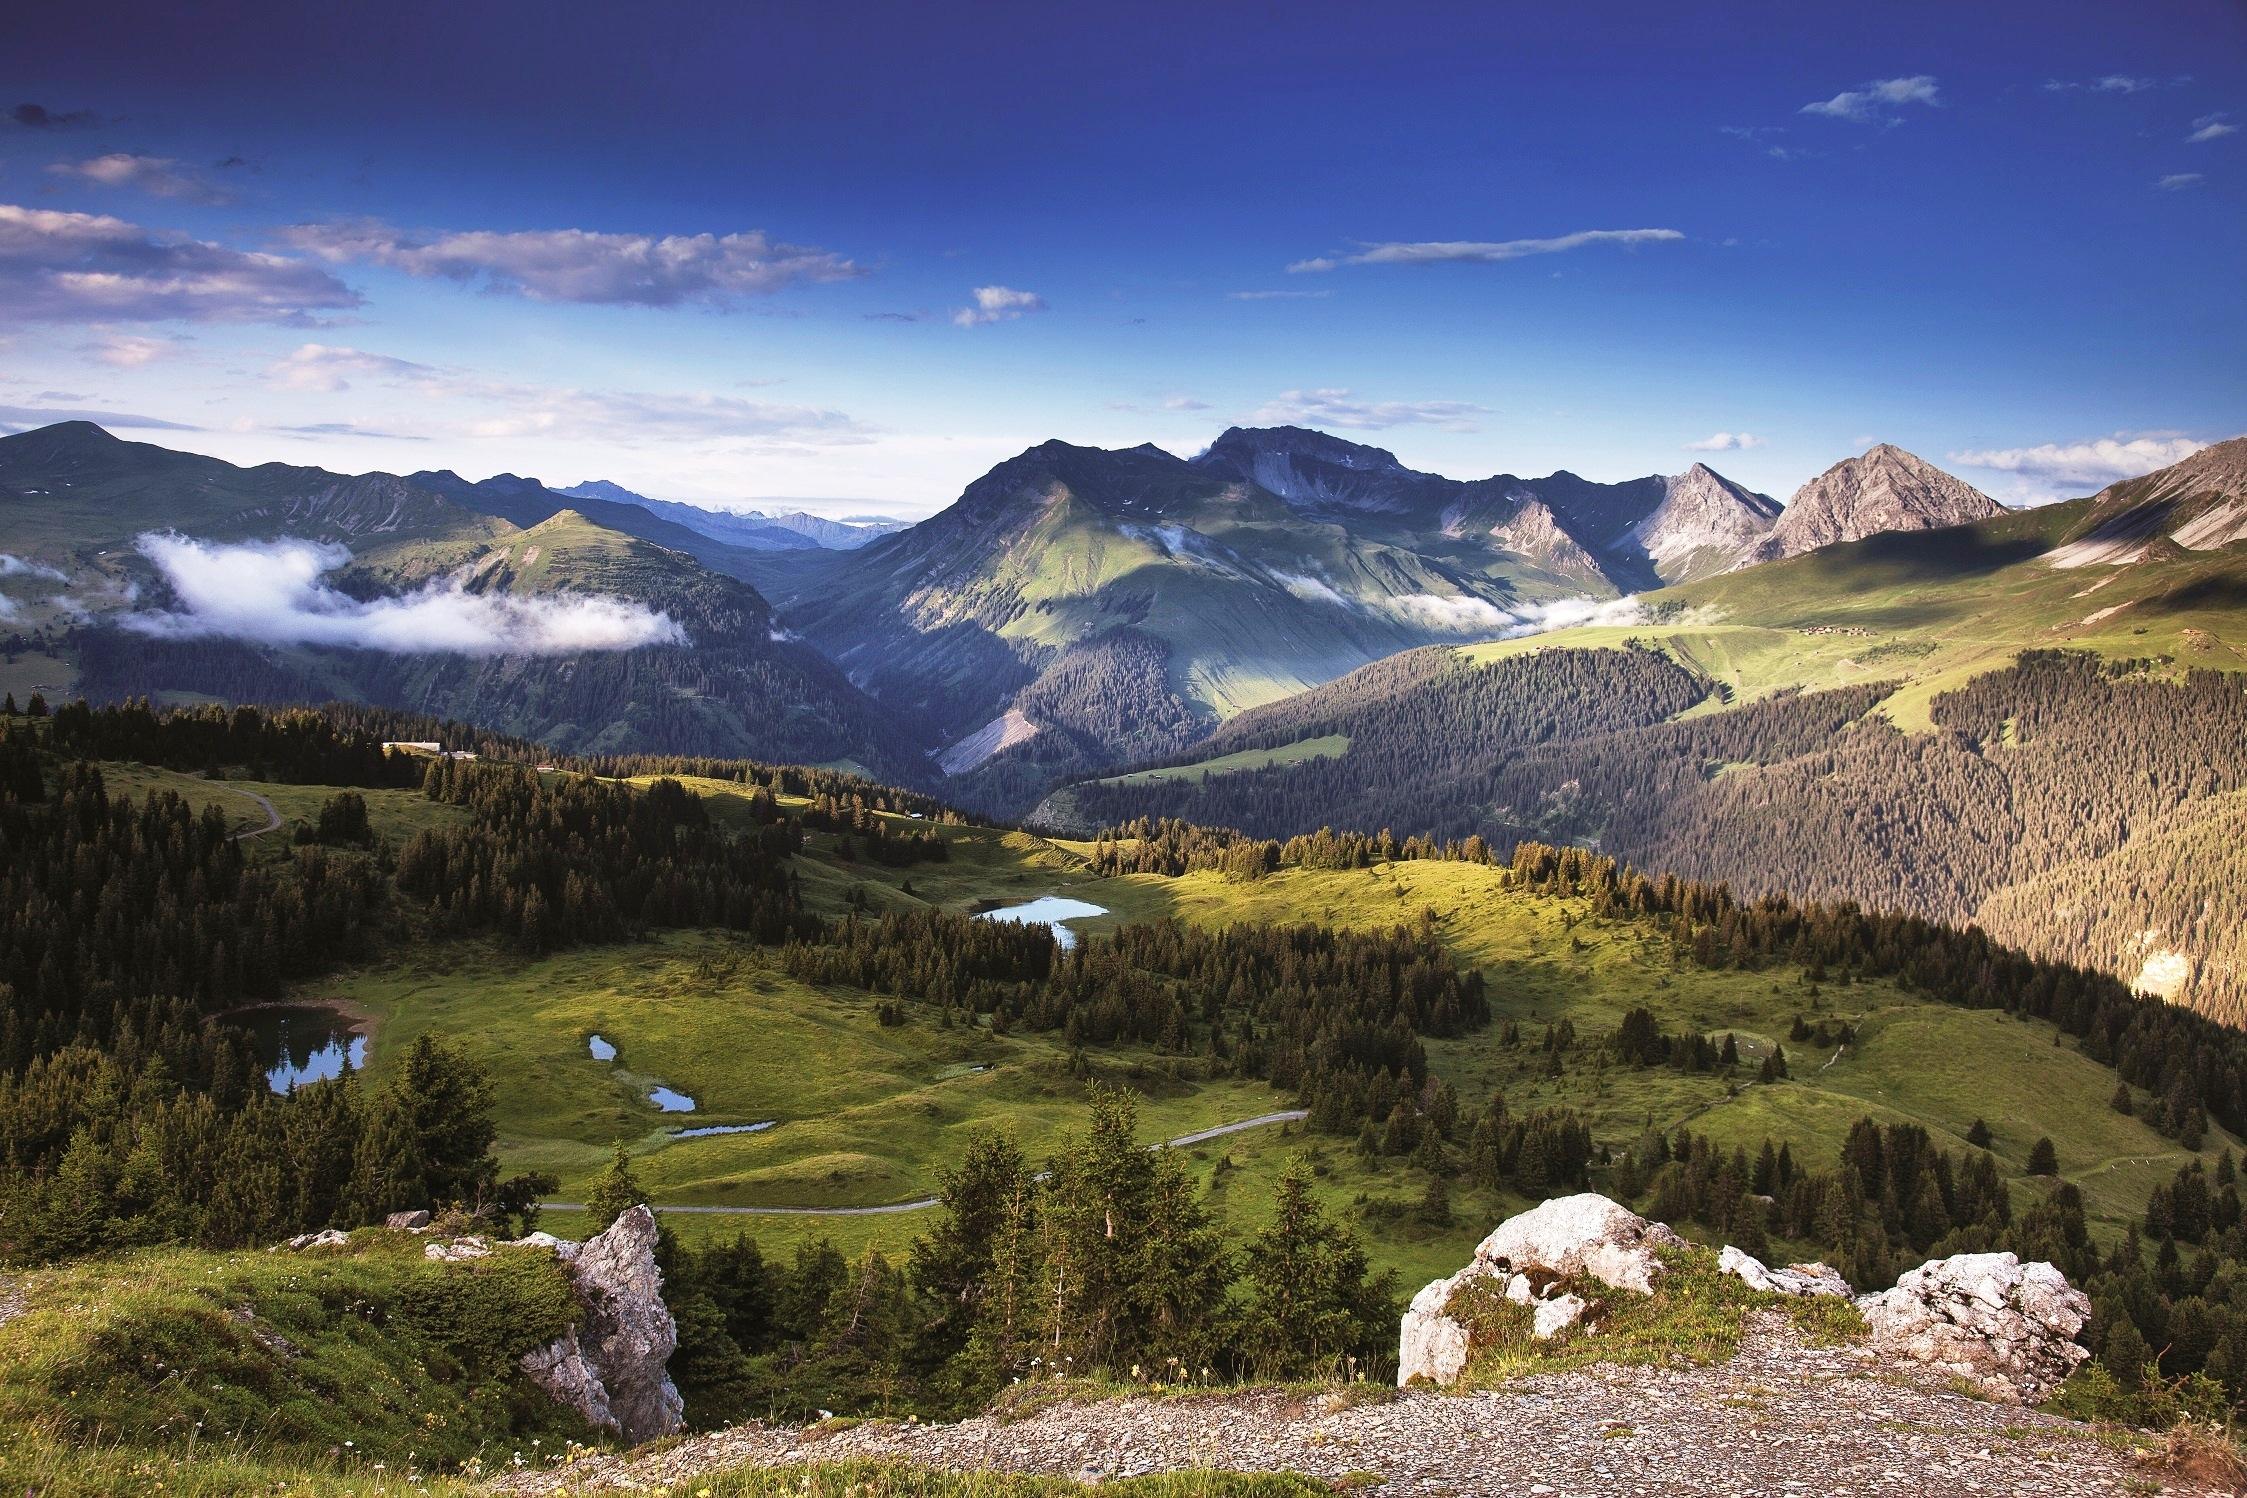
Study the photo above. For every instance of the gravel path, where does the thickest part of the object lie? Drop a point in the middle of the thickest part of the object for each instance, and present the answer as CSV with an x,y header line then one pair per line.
x,y
272,815
1781,1420
922,1204
11,1301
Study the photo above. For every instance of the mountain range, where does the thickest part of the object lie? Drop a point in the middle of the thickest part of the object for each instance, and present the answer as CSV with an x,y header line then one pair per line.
x,y
1075,610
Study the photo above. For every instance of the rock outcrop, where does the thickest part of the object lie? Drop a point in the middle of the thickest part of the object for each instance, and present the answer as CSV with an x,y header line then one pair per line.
x,y
1529,1258
2007,1327
612,1366
1795,1279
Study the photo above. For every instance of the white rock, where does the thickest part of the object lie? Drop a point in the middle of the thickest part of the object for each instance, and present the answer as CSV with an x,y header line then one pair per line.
x,y
329,1238
1795,1279
407,1222
1581,1235
457,1250
1571,1237
1557,1315
2007,1327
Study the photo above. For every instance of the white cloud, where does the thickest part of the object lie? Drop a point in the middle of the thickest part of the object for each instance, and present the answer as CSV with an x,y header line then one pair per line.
x,y
1480,252
2083,465
272,592
2211,127
88,267
1879,102
1466,615
15,566
1342,408
159,176
1281,296
577,265
1309,589
126,351
325,367
1724,442
2178,181
998,304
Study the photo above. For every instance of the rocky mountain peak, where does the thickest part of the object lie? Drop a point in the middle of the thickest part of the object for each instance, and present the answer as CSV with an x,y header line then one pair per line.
x,y
1883,489
1704,525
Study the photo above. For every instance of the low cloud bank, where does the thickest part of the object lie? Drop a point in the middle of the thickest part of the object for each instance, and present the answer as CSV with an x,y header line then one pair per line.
x,y
1466,615
273,593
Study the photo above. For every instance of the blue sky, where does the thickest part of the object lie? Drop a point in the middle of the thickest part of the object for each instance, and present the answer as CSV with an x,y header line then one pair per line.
x,y
730,252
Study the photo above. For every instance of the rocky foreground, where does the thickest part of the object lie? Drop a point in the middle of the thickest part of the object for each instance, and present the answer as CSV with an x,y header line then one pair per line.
x,y
1780,1419
1932,1396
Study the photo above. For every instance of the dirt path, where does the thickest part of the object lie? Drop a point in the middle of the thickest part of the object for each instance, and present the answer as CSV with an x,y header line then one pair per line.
x,y
272,814
1781,1418
922,1204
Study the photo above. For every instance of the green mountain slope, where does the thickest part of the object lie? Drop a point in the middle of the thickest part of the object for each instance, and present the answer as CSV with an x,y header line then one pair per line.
x,y
1924,770
1072,591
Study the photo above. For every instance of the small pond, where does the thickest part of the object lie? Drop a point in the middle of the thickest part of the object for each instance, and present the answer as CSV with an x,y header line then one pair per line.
x,y
1049,911
301,1043
666,1099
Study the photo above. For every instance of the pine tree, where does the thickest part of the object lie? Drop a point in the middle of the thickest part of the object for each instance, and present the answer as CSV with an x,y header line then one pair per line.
x,y
617,1192
2044,1160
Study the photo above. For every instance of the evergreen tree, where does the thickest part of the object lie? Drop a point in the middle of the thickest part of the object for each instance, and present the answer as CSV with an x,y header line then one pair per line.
x,y
617,1192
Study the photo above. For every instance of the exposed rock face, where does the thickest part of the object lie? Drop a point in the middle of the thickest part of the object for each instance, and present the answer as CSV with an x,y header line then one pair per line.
x,y
2008,1327
1705,525
1795,1279
611,1366
2199,504
407,1222
1570,1237
1887,489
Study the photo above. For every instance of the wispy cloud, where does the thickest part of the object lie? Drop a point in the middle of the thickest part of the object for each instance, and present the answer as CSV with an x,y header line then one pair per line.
x,y
25,418
998,304
472,405
1167,403
1480,251
2211,127
273,592
40,117
1724,442
1344,408
578,265
128,351
2091,464
2178,181
1880,102
1277,296
159,176
328,368
87,267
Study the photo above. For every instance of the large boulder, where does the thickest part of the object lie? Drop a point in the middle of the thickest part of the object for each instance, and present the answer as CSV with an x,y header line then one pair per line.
x,y
612,1367
1530,1259
2008,1328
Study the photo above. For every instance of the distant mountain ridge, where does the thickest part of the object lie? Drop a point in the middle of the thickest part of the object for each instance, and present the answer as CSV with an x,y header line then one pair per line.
x,y
760,530
75,497
1071,583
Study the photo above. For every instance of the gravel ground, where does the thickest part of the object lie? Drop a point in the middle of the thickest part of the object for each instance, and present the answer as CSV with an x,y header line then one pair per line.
x,y
11,1301
1780,1420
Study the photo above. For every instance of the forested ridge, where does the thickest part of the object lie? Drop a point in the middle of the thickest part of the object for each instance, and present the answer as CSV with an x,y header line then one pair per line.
x,y
2044,770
